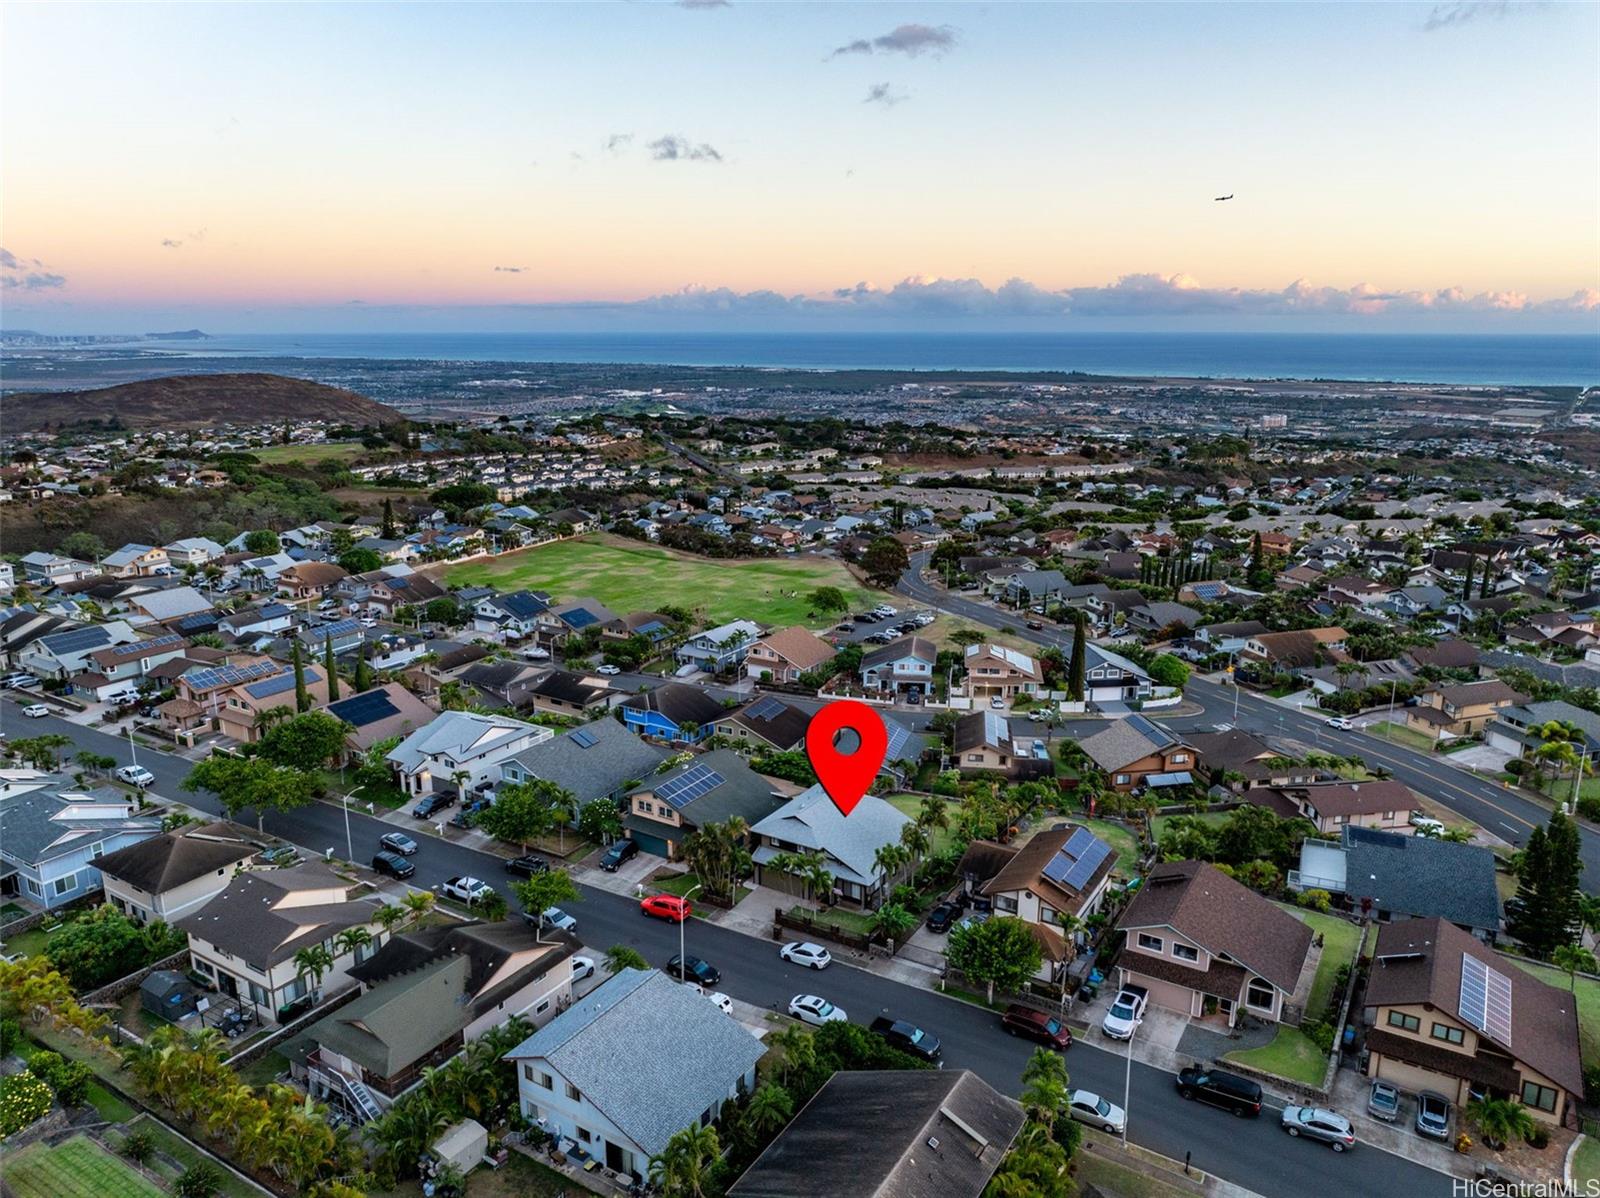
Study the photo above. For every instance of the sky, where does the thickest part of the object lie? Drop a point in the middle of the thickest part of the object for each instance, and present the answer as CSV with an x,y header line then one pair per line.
x,y
751,166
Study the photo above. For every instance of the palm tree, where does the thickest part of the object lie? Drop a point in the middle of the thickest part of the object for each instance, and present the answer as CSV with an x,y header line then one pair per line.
x,y
1589,911
1500,1119
684,1167
771,1107
316,961
817,878
419,903
388,915
798,1047
351,939
934,814
1574,960
893,921
492,907
1044,1087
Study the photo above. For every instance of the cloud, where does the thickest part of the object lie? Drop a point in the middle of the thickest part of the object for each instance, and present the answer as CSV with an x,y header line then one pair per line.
x,y
26,274
509,270
883,93
618,142
911,40
173,243
672,148
1445,16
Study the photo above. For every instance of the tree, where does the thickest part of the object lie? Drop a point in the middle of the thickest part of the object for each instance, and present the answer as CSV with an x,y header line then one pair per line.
x,y
893,921
829,599
302,697
1500,1120
999,952
719,856
242,782
683,1168
389,915
1544,914
387,530
83,545
1080,652
200,1180
443,610
771,1107
885,561
313,960
419,903
349,940
543,891
620,956
599,821
1167,670
330,667
521,812
305,742
1574,960
360,561
262,542
1045,1086
104,944
363,678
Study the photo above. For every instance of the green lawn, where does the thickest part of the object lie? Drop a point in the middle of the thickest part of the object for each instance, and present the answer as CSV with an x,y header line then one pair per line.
x,y
1120,838
1338,947
1117,1179
849,921
1399,734
1588,994
1213,819
187,1155
910,805
1586,1166
681,884
519,1177
109,1107
264,1068
30,943
75,1168
1290,1055
627,576
321,451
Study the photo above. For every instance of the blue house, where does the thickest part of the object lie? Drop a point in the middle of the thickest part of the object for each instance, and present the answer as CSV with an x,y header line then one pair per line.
x,y
50,830
673,712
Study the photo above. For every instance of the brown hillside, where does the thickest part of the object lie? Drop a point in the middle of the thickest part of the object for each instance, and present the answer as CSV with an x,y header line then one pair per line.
x,y
191,401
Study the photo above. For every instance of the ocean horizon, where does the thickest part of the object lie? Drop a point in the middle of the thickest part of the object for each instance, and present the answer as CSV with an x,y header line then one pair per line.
x,y
1466,359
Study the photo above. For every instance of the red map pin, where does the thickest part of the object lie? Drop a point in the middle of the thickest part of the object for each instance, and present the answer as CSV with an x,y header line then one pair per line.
x,y
846,776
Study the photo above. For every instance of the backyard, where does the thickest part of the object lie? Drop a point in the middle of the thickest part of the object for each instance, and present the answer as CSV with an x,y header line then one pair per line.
x,y
1290,1055
1121,838
185,1155
76,1168
628,576
1586,1166
519,1177
1339,938
910,805
1587,991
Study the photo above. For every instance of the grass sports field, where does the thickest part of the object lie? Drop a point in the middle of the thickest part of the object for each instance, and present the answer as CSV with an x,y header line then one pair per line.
x,y
628,576
75,1168
321,451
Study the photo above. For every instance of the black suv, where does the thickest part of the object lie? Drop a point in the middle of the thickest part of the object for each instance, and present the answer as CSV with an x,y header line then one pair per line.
x,y
942,916
432,805
1237,1095
393,864
620,851
693,969
528,865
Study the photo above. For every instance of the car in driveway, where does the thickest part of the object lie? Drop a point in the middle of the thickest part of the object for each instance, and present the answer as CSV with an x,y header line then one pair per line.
x,y
35,711
431,805
392,864
527,865
803,952
620,850
1217,1087
1040,1026
815,1010
1319,1123
666,906
398,842
467,889
693,969
136,775
1341,722
1126,1013
582,967
1383,1102
907,1037
1089,1108
942,917
1433,1115
555,917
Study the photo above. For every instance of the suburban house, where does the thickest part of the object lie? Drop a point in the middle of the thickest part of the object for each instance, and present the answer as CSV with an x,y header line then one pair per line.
x,y
50,569
769,722
673,712
244,940
229,697
721,648
1332,805
1111,678
984,741
510,617
561,692
1390,875
167,876
1201,943
51,831
66,652
1297,649
386,710
810,823
123,664
1515,730
461,750
785,654
1135,751
580,616
596,761
1256,763
1460,710
134,561
1447,1013
428,993
269,618
666,809
901,667
569,1083
390,593
929,1132
1062,872
1230,636
309,580
193,551
174,603
996,672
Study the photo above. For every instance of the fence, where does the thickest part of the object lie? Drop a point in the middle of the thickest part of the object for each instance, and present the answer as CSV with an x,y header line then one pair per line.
x,y
267,1043
803,922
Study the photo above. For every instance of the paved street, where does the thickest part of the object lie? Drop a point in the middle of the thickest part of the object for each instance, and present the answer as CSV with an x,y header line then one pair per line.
x,y
1254,1154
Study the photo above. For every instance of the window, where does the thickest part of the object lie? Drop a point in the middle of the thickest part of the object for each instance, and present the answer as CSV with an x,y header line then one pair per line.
x,y
574,1093
1401,1020
542,1007
1450,1035
1154,943
543,1080
1539,1097
204,967
1185,952
294,989
34,887
1259,995
1122,779
1005,903
585,1135
1179,758
65,885
259,995
975,757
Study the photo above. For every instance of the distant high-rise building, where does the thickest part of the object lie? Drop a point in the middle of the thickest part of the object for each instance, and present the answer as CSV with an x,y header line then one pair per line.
x,y
1275,420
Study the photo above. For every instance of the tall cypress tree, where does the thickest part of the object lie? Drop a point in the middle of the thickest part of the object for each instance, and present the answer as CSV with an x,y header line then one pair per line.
x,y
302,697
1543,914
1483,587
388,519
1466,589
1076,667
331,667
363,669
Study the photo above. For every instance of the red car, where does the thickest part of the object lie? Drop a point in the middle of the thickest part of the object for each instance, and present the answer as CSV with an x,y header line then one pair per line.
x,y
666,906
1036,1025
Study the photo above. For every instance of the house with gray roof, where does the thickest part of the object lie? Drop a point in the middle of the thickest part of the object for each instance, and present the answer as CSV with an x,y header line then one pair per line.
x,y
595,761
67,651
51,831
1514,730
811,823
166,877
625,1068
1134,749
665,809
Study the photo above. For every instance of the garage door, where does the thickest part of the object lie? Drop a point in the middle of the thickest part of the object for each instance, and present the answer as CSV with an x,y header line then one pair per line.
x,y
1506,744
1167,995
649,844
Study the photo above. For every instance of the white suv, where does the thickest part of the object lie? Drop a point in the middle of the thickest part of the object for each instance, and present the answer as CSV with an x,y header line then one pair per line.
x,y
1126,1013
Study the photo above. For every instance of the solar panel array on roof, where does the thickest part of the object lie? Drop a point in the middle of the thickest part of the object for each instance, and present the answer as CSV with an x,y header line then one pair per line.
x,y
1486,999
204,680
77,640
1151,731
361,710
340,628
898,737
268,687
582,737
579,617
690,785
1077,860
153,645
766,709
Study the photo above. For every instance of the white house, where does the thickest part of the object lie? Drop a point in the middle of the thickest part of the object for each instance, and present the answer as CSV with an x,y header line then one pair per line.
x,y
716,649
169,876
461,742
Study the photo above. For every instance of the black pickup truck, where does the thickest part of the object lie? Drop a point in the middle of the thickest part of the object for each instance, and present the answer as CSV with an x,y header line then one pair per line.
x,y
908,1037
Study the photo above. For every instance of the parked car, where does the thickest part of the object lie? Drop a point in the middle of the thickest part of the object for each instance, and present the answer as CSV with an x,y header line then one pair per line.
x,y
18,681
283,854
582,967
1383,1102
721,1001
997,703
693,969
35,711
1126,1013
1088,1107
1341,722
666,906
468,814
942,916
392,864
468,890
557,918
621,850
1317,1123
1036,625
907,1037
1234,1094
815,1010
527,865
136,775
801,952
608,670
398,842
1036,1025
1433,1115
432,805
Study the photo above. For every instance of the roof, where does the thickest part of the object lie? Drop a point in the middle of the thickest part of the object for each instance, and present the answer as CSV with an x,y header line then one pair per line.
x,y
731,788
461,736
52,817
812,821
502,957
694,1058
266,916
1422,876
1200,902
908,646
1334,799
1229,750
1447,654
1127,740
172,603
563,686
780,724
1471,694
679,703
798,646
398,1022
889,1134
1420,961
592,761
1026,868
169,860
379,713
1014,658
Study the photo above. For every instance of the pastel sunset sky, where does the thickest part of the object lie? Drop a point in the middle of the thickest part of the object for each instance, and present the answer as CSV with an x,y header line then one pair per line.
x,y
745,165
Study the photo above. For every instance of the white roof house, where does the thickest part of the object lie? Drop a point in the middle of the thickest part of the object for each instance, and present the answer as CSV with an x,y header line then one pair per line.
x,y
461,742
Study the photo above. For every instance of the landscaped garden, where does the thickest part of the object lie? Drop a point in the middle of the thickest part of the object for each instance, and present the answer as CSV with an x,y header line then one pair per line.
x,y
1339,938
75,1168
1290,1055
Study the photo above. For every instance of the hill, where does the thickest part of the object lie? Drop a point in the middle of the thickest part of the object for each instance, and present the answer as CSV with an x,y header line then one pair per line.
x,y
192,401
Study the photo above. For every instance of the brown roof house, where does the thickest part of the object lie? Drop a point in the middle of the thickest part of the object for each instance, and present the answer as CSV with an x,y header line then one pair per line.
x,y
1449,1014
168,876
985,742
309,580
1201,944
1461,710
784,654
1296,650
1135,751
1332,805
1241,761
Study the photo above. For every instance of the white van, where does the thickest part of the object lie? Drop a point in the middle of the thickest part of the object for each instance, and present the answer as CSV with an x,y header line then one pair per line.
x,y
1422,825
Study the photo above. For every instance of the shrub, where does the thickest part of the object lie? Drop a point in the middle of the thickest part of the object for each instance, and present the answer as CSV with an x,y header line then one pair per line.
x,y
45,1064
1515,766
10,1036
200,1180
139,1147
1540,1137
1316,900
1589,807
1320,1034
24,1099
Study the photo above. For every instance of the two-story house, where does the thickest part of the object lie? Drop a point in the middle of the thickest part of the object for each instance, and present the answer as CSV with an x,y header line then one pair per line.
x,y
674,712
510,617
1135,751
461,750
1297,649
785,654
996,672
51,831
1515,729
168,876
767,722
1335,804
902,667
810,823
599,760
666,809
134,561
984,741
1201,943
1447,1013
1460,710
686,1059
66,652
721,648
1240,761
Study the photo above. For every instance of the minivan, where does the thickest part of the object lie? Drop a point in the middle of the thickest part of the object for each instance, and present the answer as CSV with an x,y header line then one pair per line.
x,y
1237,1095
393,864
1036,1025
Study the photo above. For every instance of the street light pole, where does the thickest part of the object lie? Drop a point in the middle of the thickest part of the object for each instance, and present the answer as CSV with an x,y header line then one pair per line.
x,y
349,845
1127,1083
682,967
132,747
1388,733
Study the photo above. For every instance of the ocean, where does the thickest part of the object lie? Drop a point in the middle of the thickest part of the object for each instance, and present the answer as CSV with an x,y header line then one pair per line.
x,y
1550,360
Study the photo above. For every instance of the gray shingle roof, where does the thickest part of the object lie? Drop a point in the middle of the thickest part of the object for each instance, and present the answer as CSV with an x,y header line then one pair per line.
x,y
1126,740
35,824
256,916
1417,875
811,821
612,756
169,860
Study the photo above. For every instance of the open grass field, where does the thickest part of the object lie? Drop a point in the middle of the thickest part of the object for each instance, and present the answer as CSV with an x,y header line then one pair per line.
x,y
75,1168
310,455
1338,947
1290,1055
1397,733
1587,991
911,805
628,576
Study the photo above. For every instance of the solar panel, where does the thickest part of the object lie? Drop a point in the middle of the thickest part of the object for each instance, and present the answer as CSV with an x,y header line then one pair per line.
x,y
766,709
579,618
690,785
365,709
204,680
338,628
274,686
77,640
583,738
1077,860
1083,869
1486,999
1077,842
898,737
